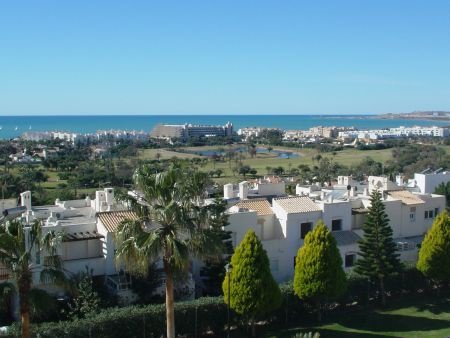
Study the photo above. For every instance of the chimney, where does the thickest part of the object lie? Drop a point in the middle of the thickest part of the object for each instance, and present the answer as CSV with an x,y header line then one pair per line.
x,y
109,196
228,191
243,190
25,199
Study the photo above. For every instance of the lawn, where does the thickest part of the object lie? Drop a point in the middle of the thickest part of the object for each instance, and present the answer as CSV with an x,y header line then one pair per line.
x,y
409,318
262,161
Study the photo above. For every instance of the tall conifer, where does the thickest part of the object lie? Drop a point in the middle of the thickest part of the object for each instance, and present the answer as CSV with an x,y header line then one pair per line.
x,y
434,254
378,256
254,292
319,275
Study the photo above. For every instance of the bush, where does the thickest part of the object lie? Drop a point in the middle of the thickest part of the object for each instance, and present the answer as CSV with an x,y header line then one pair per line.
x,y
133,321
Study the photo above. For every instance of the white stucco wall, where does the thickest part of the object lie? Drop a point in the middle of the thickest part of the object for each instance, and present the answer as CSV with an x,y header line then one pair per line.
x,y
427,183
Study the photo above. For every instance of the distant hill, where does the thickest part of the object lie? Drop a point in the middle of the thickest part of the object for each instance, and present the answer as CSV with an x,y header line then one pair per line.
x,y
427,115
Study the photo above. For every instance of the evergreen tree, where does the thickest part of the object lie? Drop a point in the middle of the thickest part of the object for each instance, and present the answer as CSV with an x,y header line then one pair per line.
x,y
253,291
378,256
86,300
319,275
434,254
214,268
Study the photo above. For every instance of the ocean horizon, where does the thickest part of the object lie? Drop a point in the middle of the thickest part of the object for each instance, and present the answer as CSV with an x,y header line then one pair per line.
x,y
14,126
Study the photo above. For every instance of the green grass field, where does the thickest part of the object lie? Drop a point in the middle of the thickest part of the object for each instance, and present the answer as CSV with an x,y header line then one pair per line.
x,y
261,161
412,318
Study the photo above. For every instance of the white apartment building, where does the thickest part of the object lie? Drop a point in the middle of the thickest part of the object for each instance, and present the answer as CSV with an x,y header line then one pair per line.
x,y
401,131
88,227
283,224
269,186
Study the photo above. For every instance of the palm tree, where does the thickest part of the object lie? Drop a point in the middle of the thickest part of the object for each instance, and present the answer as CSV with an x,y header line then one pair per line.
x,y
22,259
171,225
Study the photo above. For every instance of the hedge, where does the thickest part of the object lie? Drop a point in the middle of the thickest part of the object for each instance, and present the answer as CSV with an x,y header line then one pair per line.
x,y
209,314
201,315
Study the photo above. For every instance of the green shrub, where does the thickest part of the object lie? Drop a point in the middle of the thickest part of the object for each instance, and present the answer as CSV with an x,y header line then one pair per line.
x,y
133,321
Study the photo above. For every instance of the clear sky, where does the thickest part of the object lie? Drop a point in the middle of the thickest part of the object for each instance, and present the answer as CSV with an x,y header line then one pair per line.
x,y
223,57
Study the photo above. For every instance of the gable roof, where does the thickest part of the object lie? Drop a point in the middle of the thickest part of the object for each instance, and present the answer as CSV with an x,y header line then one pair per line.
x,y
406,197
112,219
297,204
260,205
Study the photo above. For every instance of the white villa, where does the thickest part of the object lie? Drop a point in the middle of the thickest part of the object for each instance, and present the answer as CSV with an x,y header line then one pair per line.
x,y
280,221
282,224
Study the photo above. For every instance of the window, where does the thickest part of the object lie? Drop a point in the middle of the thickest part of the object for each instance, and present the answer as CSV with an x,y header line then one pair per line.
x,y
304,229
412,214
350,260
430,214
336,225
436,212
426,214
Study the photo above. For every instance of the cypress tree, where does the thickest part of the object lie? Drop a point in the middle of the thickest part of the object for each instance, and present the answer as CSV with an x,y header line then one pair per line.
x,y
253,291
378,256
434,254
319,275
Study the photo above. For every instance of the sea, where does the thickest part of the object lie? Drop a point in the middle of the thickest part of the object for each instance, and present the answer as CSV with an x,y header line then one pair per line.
x,y
15,126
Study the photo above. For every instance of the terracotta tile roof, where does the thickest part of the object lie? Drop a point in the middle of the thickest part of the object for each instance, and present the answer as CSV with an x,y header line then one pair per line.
x,y
406,197
112,219
297,204
260,205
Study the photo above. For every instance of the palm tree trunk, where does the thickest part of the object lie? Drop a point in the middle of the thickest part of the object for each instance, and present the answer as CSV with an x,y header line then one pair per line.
x,y
25,319
24,286
170,313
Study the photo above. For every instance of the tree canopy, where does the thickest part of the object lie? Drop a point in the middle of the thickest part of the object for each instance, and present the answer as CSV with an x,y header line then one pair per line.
x,y
378,252
434,254
253,291
318,267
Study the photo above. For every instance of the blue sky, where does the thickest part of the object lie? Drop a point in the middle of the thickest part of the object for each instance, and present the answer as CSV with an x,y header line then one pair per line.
x,y
223,57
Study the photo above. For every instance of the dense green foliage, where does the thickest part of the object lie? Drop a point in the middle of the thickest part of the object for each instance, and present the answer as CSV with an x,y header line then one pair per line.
x,y
319,274
137,321
199,316
378,256
253,291
444,189
434,254
214,272
86,300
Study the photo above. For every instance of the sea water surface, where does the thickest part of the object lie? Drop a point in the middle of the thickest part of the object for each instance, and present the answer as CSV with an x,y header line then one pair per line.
x,y
14,126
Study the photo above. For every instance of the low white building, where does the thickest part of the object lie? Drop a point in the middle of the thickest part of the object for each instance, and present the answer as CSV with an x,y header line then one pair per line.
x,y
283,224
427,181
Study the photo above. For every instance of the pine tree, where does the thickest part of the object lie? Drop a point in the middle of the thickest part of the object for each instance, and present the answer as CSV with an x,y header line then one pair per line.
x,y
378,256
214,268
253,291
434,254
319,274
